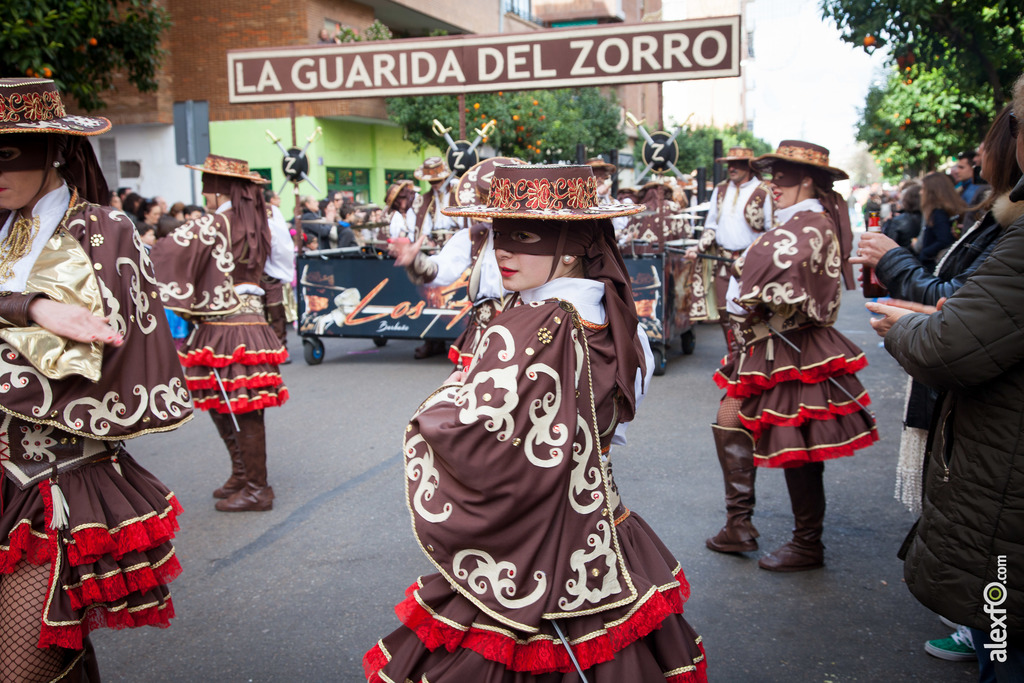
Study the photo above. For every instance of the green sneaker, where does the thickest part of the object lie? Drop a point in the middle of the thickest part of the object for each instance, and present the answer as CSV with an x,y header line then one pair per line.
x,y
952,649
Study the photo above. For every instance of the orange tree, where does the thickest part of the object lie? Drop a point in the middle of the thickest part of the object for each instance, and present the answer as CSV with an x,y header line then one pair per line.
x,y
979,44
534,125
81,44
919,118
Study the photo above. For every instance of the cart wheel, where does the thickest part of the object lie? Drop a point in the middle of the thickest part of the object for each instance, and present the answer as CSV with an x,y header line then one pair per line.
x,y
380,341
660,362
689,342
313,350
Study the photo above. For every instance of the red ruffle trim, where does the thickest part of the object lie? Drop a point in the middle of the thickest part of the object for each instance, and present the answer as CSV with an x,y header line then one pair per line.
x,y
799,457
756,426
24,544
242,404
460,359
543,656
92,543
750,384
373,661
255,382
70,637
118,586
207,357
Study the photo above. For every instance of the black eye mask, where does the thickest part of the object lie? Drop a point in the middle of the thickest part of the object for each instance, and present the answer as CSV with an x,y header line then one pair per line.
x,y
23,152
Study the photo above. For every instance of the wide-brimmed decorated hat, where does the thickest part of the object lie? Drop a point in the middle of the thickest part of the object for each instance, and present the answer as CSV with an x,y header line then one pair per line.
x,y
226,166
799,152
395,190
34,105
475,184
599,164
433,170
545,191
737,154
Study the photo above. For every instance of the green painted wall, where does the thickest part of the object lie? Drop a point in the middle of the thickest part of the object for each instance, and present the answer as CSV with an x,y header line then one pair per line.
x,y
343,144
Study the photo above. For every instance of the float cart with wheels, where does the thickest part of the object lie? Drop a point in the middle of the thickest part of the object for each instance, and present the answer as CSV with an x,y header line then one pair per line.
x,y
358,292
660,282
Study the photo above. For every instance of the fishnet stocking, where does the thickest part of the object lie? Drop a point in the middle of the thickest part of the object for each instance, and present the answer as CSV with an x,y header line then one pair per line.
x,y
729,413
22,598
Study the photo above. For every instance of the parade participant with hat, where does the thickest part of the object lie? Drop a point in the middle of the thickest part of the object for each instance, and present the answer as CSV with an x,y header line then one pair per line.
x,y
88,362
428,205
472,248
398,203
604,172
542,571
741,209
793,400
210,269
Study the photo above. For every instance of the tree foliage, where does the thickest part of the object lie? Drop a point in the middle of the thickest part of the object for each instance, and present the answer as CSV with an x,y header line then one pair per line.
x,y
978,44
919,118
697,144
82,43
534,125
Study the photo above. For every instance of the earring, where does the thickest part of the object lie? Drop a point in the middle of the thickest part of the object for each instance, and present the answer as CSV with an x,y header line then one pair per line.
x,y
567,260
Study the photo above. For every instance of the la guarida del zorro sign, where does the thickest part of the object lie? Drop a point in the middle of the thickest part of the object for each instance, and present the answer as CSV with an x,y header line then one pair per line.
x,y
557,58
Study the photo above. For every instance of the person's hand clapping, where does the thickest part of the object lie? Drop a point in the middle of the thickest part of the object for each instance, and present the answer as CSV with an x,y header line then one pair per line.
x,y
895,309
72,322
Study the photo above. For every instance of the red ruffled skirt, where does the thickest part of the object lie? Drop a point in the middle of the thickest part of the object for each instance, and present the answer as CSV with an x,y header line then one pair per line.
x,y
790,404
244,351
448,639
111,566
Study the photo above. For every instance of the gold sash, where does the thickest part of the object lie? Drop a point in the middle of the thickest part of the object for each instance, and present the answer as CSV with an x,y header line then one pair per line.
x,y
64,273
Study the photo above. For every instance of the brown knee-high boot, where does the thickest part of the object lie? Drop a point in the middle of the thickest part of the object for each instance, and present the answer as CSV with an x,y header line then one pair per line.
x,y
807,497
256,495
736,456
226,429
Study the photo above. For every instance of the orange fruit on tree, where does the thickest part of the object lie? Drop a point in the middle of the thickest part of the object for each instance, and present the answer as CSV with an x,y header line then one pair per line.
x,y
869,41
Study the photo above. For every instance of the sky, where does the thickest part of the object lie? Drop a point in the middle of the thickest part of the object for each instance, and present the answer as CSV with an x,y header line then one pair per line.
x,y
807,83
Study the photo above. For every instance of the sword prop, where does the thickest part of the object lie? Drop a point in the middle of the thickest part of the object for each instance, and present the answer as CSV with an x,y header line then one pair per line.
x,y
568,649
830,379
227,402
639,125
709,257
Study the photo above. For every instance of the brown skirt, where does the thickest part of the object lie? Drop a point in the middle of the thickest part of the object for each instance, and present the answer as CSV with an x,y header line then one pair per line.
x,y
446,638
244,352
805,406
111,566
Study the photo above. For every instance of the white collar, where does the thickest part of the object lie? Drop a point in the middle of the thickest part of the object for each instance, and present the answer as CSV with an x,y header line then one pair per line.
x,y
585,295
226,206
50,208
783,215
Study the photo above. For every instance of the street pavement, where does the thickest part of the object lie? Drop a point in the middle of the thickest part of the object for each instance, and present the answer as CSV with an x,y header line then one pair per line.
x,y
301,592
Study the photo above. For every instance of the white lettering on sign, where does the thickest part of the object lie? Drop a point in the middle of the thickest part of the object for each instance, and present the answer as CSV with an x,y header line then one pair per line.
x,y
451,69
538,69
584,46
487,54
424,67
517,58
357,72
698,48
325,80
602,55
268,79
383,67
571,57
644,48
675,49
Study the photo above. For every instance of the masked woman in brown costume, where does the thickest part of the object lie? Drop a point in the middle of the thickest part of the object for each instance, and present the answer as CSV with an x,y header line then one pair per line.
x,y
86,362
793,400
210,268
543,573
